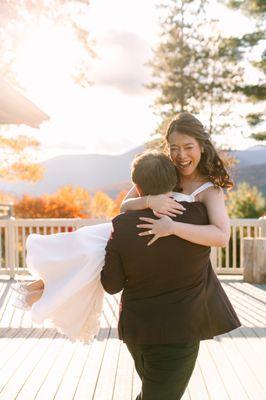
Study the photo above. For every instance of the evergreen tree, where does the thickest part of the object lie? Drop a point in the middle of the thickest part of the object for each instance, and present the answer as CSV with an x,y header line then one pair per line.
x,y
255,92
191,68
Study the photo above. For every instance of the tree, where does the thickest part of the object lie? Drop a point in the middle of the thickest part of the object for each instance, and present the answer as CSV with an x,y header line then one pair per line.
x,y
102,206
67,202
118,201
247,45
46,207
6,198
245,202
79,196
19,18
15,162
191,68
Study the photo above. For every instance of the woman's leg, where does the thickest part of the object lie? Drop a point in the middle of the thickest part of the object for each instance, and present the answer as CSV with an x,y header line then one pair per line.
x,y
33,286
33,296
25,288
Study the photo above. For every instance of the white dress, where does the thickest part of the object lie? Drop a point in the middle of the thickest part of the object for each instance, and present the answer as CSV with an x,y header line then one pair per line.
x,y
70,266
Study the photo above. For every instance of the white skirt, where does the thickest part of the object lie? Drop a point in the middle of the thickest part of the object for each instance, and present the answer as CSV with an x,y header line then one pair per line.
x,y
70,265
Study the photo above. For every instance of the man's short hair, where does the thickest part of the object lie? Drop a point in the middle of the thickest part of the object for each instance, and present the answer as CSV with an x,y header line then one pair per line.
x,y
153,172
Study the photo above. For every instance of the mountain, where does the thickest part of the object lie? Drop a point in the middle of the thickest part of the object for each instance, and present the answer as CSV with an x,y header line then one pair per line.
x,y
92,172
111,174
252,156
255,175
250,166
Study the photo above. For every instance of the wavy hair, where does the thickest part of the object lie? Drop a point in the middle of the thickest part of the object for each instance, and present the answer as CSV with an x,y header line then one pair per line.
x,y
210,165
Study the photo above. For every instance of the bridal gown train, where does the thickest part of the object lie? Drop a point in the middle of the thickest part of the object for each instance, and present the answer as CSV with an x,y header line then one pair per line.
x,y
70,266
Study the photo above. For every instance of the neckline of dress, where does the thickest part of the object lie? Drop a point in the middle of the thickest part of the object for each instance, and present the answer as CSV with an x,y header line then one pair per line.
x,y
184,194
195,191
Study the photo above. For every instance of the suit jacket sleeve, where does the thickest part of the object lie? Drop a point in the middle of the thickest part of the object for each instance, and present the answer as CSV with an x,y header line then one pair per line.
x,y
113,277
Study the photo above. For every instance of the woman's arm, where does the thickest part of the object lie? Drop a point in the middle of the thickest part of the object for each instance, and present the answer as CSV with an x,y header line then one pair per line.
x,y
133,201
163,204
217,233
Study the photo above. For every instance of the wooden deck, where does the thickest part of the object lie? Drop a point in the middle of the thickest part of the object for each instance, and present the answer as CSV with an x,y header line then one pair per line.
x,y
38,363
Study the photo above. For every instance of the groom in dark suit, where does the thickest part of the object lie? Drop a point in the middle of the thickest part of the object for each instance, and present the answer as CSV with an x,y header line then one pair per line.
x,y
171,296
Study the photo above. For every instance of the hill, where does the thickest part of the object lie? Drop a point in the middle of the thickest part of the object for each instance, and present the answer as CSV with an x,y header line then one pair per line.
x,y
92,172
111,173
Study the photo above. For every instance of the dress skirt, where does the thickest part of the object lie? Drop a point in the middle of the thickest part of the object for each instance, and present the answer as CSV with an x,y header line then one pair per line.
x,y
70,265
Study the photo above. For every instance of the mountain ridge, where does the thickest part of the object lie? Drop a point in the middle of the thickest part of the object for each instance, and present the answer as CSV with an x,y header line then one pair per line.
x,y
111,173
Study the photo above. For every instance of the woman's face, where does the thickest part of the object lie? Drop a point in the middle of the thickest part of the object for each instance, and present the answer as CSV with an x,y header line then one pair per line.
x,y
185,152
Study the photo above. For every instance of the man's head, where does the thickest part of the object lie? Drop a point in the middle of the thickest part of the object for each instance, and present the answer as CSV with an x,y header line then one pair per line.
x,y
153,173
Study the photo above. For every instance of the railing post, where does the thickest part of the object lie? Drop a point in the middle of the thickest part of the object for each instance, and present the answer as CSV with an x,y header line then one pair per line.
x,y
262,221
254,260
11,247
213,257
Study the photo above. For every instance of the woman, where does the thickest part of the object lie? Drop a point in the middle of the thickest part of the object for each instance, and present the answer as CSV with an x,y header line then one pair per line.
x,y
202,176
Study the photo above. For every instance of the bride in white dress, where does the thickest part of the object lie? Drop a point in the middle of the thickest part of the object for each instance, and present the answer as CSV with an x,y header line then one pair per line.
x,y
68,291
69,264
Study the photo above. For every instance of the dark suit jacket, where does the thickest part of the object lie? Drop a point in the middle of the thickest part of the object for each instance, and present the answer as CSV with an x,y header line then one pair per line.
x,y
170,291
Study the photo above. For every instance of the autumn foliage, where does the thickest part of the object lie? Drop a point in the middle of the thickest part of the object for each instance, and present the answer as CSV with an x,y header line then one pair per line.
x,y
46,207
15,161
69,202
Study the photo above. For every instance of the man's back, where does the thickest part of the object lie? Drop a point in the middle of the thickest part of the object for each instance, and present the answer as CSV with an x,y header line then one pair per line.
x,y
163,297
170,291
170,264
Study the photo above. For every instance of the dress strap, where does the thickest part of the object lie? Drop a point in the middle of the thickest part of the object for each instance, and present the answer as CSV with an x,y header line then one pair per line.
x,y
201,188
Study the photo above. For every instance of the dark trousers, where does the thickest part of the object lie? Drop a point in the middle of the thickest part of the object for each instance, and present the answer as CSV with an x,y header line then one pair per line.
x,y
164,369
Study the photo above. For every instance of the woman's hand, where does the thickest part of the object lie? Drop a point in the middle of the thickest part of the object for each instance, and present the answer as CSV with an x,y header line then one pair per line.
x,y
164,204
158,227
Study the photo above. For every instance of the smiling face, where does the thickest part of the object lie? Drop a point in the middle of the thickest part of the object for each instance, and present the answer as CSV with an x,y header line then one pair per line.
x,y
185,152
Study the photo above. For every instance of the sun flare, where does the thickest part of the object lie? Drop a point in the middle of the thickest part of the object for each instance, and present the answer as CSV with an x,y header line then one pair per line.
x,y
47,56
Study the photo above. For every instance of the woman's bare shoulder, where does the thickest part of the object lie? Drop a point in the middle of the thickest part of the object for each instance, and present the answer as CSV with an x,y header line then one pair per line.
x,y
212,194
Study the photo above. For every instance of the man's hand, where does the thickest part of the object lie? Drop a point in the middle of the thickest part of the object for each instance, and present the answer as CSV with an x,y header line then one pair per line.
x,y
158,227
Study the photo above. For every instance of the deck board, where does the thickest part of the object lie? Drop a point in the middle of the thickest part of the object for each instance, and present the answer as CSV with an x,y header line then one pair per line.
x,y
37,363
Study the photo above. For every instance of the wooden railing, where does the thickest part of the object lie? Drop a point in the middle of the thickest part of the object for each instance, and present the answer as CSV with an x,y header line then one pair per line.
x,y
13,234
229,260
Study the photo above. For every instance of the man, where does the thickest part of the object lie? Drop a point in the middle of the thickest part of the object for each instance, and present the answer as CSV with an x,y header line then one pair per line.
x,y
171,297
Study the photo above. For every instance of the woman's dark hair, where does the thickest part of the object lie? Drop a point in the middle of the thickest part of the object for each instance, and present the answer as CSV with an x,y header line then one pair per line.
x,y
210,165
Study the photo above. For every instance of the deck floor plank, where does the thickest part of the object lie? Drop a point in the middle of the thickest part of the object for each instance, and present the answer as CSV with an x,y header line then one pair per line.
x,y
88,382
22,374
38,376
243,370
16,361
136,385
197,387
37,363
56,374
212,378
123,382
231,381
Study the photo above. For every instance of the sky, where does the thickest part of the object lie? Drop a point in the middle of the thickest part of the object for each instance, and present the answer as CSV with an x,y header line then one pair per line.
x,y
114,114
